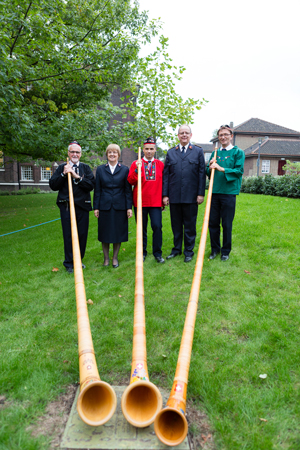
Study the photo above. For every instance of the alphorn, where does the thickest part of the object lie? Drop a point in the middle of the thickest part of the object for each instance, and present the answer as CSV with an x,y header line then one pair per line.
x,y
170,424
141,400
97,400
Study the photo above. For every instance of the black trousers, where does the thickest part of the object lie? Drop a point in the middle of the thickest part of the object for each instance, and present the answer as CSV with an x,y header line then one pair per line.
x,y
222,210
183,222
82,219
156,224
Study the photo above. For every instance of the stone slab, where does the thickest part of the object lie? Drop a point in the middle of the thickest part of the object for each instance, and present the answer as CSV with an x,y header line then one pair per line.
x,y
116,434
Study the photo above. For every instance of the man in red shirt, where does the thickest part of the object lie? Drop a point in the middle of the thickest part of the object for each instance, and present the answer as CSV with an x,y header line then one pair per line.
x,y
152,177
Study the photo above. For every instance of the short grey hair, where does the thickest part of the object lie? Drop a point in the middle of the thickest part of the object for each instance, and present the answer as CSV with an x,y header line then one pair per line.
x,y
184,125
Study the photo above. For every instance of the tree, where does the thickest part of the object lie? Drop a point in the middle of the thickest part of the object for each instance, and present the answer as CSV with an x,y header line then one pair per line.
x,y
59,62
292,168
158,109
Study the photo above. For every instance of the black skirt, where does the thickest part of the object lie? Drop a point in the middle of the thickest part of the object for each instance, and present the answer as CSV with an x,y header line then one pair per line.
x,y
113,226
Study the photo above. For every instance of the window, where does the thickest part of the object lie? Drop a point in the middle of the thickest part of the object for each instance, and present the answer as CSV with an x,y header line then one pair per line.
x,y
207,157
1,160
26,173
265,166
46,173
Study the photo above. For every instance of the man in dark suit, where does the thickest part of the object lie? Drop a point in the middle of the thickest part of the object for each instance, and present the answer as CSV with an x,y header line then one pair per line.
x,y
184,190
83,184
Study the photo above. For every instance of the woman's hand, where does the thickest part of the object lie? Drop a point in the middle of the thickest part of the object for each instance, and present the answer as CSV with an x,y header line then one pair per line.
x,y
96,213
129,213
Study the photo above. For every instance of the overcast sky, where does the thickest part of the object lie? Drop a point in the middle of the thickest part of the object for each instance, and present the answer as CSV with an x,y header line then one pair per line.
x,y
243,57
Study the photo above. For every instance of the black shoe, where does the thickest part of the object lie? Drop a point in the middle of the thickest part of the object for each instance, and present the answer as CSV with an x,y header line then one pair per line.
x,y
172,255
159,259
188,259
69,269
116,265
224,257
213,255
144,257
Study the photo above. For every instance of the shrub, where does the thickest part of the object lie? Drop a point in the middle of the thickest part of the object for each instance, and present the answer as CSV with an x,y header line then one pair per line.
x,y
283,186
26,191
269,185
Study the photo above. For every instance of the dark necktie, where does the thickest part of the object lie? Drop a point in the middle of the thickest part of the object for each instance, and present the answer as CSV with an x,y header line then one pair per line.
x,y
183,149
75,168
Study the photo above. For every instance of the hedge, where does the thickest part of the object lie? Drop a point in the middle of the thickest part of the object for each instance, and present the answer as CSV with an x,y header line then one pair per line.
x,y
282,186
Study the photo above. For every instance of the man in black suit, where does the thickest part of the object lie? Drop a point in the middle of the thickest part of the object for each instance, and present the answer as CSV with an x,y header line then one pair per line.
x,y
184,189
83,184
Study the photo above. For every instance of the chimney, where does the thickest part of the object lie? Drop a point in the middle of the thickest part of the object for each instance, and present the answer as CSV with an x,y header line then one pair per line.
x,y
231,125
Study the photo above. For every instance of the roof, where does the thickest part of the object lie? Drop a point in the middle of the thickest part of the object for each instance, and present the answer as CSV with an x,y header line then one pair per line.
x,y
275,147
206,147
262,127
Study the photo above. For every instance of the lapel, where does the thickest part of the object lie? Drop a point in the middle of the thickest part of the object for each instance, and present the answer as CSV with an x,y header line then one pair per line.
x,y
187,152
189,149
107,169
117,169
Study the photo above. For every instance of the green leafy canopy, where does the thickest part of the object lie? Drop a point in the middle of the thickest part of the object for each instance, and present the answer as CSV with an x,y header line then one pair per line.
x,y
158,109
59,63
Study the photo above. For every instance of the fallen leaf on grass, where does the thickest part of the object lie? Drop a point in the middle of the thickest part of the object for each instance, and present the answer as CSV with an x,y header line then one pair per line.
x,y
24,225
55,269
205,437
90,302
246,271
120,296
66,361
123,249
263,420
264,375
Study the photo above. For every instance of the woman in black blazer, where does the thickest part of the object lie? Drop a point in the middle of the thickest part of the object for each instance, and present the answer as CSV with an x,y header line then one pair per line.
x,y
112,203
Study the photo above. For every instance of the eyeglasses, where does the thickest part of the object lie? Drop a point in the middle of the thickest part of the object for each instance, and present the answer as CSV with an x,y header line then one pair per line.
x,y
184,132
224,135
74,153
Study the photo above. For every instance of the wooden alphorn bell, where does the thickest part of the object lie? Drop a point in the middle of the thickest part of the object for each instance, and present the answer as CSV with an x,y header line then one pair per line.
x,y
170,424
97,400
141,400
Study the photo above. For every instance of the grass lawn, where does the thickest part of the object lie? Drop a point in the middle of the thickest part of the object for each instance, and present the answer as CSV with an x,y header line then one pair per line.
x,y
247,322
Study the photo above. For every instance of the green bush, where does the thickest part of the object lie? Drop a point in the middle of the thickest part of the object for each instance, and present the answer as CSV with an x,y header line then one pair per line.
x,y
269,185
282,186
26,191
4,192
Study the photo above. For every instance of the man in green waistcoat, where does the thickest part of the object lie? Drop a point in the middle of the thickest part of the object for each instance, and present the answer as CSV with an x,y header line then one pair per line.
x,y
229,169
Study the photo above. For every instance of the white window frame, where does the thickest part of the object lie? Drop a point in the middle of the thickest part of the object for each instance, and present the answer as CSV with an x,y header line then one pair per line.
x,y
265,166
46,173
26,173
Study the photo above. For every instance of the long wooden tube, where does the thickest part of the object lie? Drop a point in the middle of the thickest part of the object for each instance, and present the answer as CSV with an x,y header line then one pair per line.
x,y
141,400
170,424
97,400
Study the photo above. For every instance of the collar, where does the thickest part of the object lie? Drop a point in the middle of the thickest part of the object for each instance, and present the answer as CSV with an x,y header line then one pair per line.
x,y
186,146
145,159
229,147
